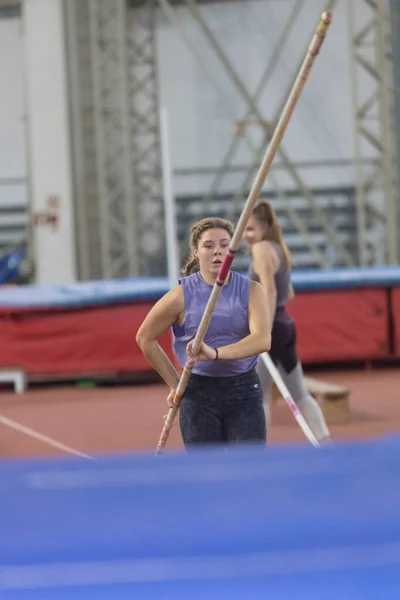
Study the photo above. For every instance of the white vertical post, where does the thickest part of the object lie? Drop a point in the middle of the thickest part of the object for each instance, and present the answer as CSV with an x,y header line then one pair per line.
x,y
49,145
169,202
77,141
100,137
130,201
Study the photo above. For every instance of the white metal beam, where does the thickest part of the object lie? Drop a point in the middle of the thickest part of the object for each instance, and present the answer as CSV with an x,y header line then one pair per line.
x,y
254,109
115,121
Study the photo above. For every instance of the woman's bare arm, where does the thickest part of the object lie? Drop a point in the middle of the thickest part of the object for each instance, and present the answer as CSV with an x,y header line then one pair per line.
x,y
259,339
265,264
160,318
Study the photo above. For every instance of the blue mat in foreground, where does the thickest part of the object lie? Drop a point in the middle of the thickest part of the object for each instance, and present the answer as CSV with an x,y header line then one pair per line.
x,y
288,523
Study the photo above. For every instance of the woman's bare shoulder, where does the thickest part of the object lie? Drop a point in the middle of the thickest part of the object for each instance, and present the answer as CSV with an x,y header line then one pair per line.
x,y
265,252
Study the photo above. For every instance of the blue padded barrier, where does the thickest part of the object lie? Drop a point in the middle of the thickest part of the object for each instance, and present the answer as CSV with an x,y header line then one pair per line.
x,y
87,293
355,277
94,293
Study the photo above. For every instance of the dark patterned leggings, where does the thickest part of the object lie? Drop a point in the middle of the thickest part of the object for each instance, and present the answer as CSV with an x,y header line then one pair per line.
x,y
223,409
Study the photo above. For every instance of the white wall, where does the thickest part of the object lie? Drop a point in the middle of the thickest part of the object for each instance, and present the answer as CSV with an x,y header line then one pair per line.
x,y
49,145
12,112
201,125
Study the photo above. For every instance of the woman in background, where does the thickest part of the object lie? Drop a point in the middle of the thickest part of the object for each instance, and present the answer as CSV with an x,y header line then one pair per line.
x,y
223,401
271,266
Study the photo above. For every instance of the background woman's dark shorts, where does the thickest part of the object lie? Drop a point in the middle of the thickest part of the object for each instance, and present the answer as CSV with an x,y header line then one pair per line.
x,y
283,341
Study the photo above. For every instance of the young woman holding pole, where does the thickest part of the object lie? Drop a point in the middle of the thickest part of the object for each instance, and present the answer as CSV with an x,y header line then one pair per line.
x,y
223,401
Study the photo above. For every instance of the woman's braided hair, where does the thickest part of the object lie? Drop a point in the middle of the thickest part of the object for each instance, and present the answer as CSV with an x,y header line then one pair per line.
x,y
192,263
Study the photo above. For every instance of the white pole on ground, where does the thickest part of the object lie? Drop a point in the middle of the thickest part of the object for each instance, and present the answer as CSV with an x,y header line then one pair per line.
x,y
171,234
265,357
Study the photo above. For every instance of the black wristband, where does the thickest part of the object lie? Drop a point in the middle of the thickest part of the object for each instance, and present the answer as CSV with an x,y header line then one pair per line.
x,y
216,353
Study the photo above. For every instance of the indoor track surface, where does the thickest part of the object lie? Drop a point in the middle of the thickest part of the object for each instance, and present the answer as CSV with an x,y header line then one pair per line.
x,y
129,418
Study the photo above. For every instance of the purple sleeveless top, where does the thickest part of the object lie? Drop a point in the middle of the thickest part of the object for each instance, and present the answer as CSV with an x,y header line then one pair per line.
x,y
229,323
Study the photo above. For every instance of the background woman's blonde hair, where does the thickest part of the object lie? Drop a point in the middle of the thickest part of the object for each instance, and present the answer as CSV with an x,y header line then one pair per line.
x,y
265,215
192,264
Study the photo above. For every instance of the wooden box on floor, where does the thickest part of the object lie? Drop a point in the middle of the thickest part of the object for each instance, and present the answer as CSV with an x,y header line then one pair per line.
x,y
334,399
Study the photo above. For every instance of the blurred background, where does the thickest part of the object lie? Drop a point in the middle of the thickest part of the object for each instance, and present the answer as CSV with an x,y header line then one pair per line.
x,y
83,147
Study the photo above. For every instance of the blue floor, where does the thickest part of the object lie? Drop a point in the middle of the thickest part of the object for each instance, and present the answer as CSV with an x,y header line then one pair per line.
x,y
285,523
